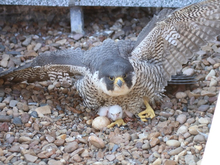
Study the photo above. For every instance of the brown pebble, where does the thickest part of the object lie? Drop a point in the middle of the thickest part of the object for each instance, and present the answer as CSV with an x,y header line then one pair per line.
x,y
170,162
70,147
97,142
59,142
154,141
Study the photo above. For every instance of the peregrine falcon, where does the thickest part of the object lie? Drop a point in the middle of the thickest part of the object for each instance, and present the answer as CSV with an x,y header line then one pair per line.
x,y
129,73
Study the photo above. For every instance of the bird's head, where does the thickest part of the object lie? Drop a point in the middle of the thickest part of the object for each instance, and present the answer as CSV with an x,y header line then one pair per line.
x,y
116,77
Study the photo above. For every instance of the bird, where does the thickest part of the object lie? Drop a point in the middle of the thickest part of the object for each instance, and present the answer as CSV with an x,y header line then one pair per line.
x,y
113,112
129,73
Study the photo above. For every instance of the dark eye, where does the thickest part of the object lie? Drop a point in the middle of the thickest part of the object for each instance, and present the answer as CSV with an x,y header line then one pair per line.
x,y
111,78
124,76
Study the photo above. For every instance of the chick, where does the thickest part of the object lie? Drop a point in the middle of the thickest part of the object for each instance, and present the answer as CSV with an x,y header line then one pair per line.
x,y
112,112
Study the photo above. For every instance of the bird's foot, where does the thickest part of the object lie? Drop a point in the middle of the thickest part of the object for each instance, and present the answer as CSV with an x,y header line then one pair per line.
x,y
119,122
147,114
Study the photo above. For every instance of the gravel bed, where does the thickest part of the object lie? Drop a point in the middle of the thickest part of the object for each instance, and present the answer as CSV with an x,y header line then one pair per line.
x,y
46,123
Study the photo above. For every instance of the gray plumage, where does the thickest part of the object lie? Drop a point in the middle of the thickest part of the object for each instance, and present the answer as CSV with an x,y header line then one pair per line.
x,y
167,42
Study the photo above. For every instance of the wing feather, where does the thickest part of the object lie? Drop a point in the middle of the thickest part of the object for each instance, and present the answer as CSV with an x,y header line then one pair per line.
x,y
173,40
51,65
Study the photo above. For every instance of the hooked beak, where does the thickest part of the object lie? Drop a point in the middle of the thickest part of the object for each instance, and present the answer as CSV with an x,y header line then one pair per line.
x,y
119,81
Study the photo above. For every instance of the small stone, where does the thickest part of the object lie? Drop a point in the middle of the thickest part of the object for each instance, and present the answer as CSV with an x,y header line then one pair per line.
x,y
97,142
2,105
70,147
154,141
213,82
17,121
181,95
50,138
54,162
59,142
13,103
157,162
4,118
170,162
41,111
24,139
182,129
193,130
15,148
188,71
176,151
110,157
25,117
34,114
173,143
61,42
75,158
22,106
27,41
203,120
146,146
181,118
199,139
208,93
203,108
210,74
4,127
37,46
100,122
191,159
30,158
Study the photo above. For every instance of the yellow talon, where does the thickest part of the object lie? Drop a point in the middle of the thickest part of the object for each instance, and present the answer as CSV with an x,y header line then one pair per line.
x,y
147,113
118,122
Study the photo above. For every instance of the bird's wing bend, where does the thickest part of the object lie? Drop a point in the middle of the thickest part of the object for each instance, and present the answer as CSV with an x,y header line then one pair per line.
x,y
51,65
175,38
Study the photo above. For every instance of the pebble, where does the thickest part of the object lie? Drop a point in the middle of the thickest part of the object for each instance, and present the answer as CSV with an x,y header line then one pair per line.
x,y
203,120
181,118
199,139
210,74
203,108
213,82
59,142
25,117
13,103
71,146
173,143
30,158
170,162
110,157
188,71
15,148
146,146
4,118
17,121
182,130
191,159
176,151
41,111
24,139
181,95
27,41
55,162
193,130
97,142
154,141
2,105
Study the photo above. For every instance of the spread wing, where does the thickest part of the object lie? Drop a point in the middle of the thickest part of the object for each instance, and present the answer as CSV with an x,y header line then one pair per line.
x,y
175,38
53,65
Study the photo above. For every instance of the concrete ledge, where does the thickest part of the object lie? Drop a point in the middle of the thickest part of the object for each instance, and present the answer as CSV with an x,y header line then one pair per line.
x,y
120,3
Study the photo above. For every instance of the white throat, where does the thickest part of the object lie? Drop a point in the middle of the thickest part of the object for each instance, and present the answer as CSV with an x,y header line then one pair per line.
x,y
117,91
